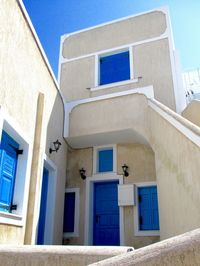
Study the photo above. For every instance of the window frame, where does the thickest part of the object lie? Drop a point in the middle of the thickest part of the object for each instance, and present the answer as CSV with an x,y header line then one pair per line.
x,y
117,83
22,178
96,149
76,213
137,231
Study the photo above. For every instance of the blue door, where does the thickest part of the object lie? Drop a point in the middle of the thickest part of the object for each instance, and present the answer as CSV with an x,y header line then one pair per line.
x,y
148,208
106,214
8,164
43,208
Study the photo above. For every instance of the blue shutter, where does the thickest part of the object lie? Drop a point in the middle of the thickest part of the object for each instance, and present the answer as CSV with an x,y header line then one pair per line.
x,y
148,208
8,165
43,207
69,212
114,68
105,160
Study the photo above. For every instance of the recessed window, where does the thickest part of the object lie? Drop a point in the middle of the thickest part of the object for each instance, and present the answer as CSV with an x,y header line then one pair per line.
x,y
9,152
114,68
105,160
148,208
15,167
71,212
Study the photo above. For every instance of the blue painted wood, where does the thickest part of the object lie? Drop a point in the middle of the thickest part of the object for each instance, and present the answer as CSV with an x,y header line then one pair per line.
x,y
114,68
106,214
43,207
8,165
69,212
106,160
148,208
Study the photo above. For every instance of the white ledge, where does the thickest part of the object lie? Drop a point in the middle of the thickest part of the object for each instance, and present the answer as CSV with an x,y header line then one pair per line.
x,y
10,218
114,84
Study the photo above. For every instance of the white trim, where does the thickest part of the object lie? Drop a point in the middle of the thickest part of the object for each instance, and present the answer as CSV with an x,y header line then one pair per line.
x,y
138,232
148,91
51,199
95,158
131,62
88,240
110,50
77,213
114,84
162,9
21,189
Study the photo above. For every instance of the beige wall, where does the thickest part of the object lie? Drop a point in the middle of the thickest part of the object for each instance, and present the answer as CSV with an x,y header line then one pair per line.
x,y
76,160
23,75
151,60
177,155
139,158
123,32
141,166
192,111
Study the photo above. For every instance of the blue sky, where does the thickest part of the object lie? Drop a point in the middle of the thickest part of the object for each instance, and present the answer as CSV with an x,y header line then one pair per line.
x,y
53,18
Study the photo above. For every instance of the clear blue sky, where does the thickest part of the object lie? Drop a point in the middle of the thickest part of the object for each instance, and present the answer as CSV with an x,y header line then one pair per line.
x,y
53,18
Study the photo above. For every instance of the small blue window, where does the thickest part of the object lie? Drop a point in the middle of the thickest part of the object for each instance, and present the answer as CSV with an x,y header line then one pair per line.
x,y
148,208
69,212
8,165
114,68
105,159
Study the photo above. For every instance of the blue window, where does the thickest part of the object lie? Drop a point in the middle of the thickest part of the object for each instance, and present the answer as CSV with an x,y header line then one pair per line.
x,y
105,160
148,208
114,68
9,150
69,212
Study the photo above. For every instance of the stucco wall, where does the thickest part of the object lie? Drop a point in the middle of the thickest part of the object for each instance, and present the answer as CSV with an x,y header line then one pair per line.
x,y
151,60
23,75
141,163
177,155
177,169
140,159
192,111
115,34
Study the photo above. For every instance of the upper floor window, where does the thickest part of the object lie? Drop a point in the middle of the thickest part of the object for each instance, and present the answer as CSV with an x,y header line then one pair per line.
x,y
114,68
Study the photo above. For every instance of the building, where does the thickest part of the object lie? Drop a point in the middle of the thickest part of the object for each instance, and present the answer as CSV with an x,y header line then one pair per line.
x,y
127,168
121,81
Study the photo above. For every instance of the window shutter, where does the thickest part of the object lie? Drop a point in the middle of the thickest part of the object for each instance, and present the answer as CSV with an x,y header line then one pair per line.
x,y
8,164
114,68
69,212
148,208
105,160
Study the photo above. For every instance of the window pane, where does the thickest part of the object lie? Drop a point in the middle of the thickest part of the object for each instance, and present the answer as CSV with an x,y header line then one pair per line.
x,y
114,68
69,212
106,160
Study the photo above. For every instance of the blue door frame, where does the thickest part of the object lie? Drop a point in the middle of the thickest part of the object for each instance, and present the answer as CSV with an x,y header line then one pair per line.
x,y
43,207
106,214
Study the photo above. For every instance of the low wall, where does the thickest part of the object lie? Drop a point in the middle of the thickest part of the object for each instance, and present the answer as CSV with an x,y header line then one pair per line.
x,y
180,250
56,255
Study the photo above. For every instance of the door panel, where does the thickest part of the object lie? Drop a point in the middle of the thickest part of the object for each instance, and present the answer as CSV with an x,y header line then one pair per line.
x,y
43,208
106,214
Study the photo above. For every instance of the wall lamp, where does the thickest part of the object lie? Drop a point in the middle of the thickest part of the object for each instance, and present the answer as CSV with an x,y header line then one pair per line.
x,y
82,173
57,145
125,170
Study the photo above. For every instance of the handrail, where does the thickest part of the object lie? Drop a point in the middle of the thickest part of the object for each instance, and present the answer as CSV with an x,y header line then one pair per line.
x,y
194,128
